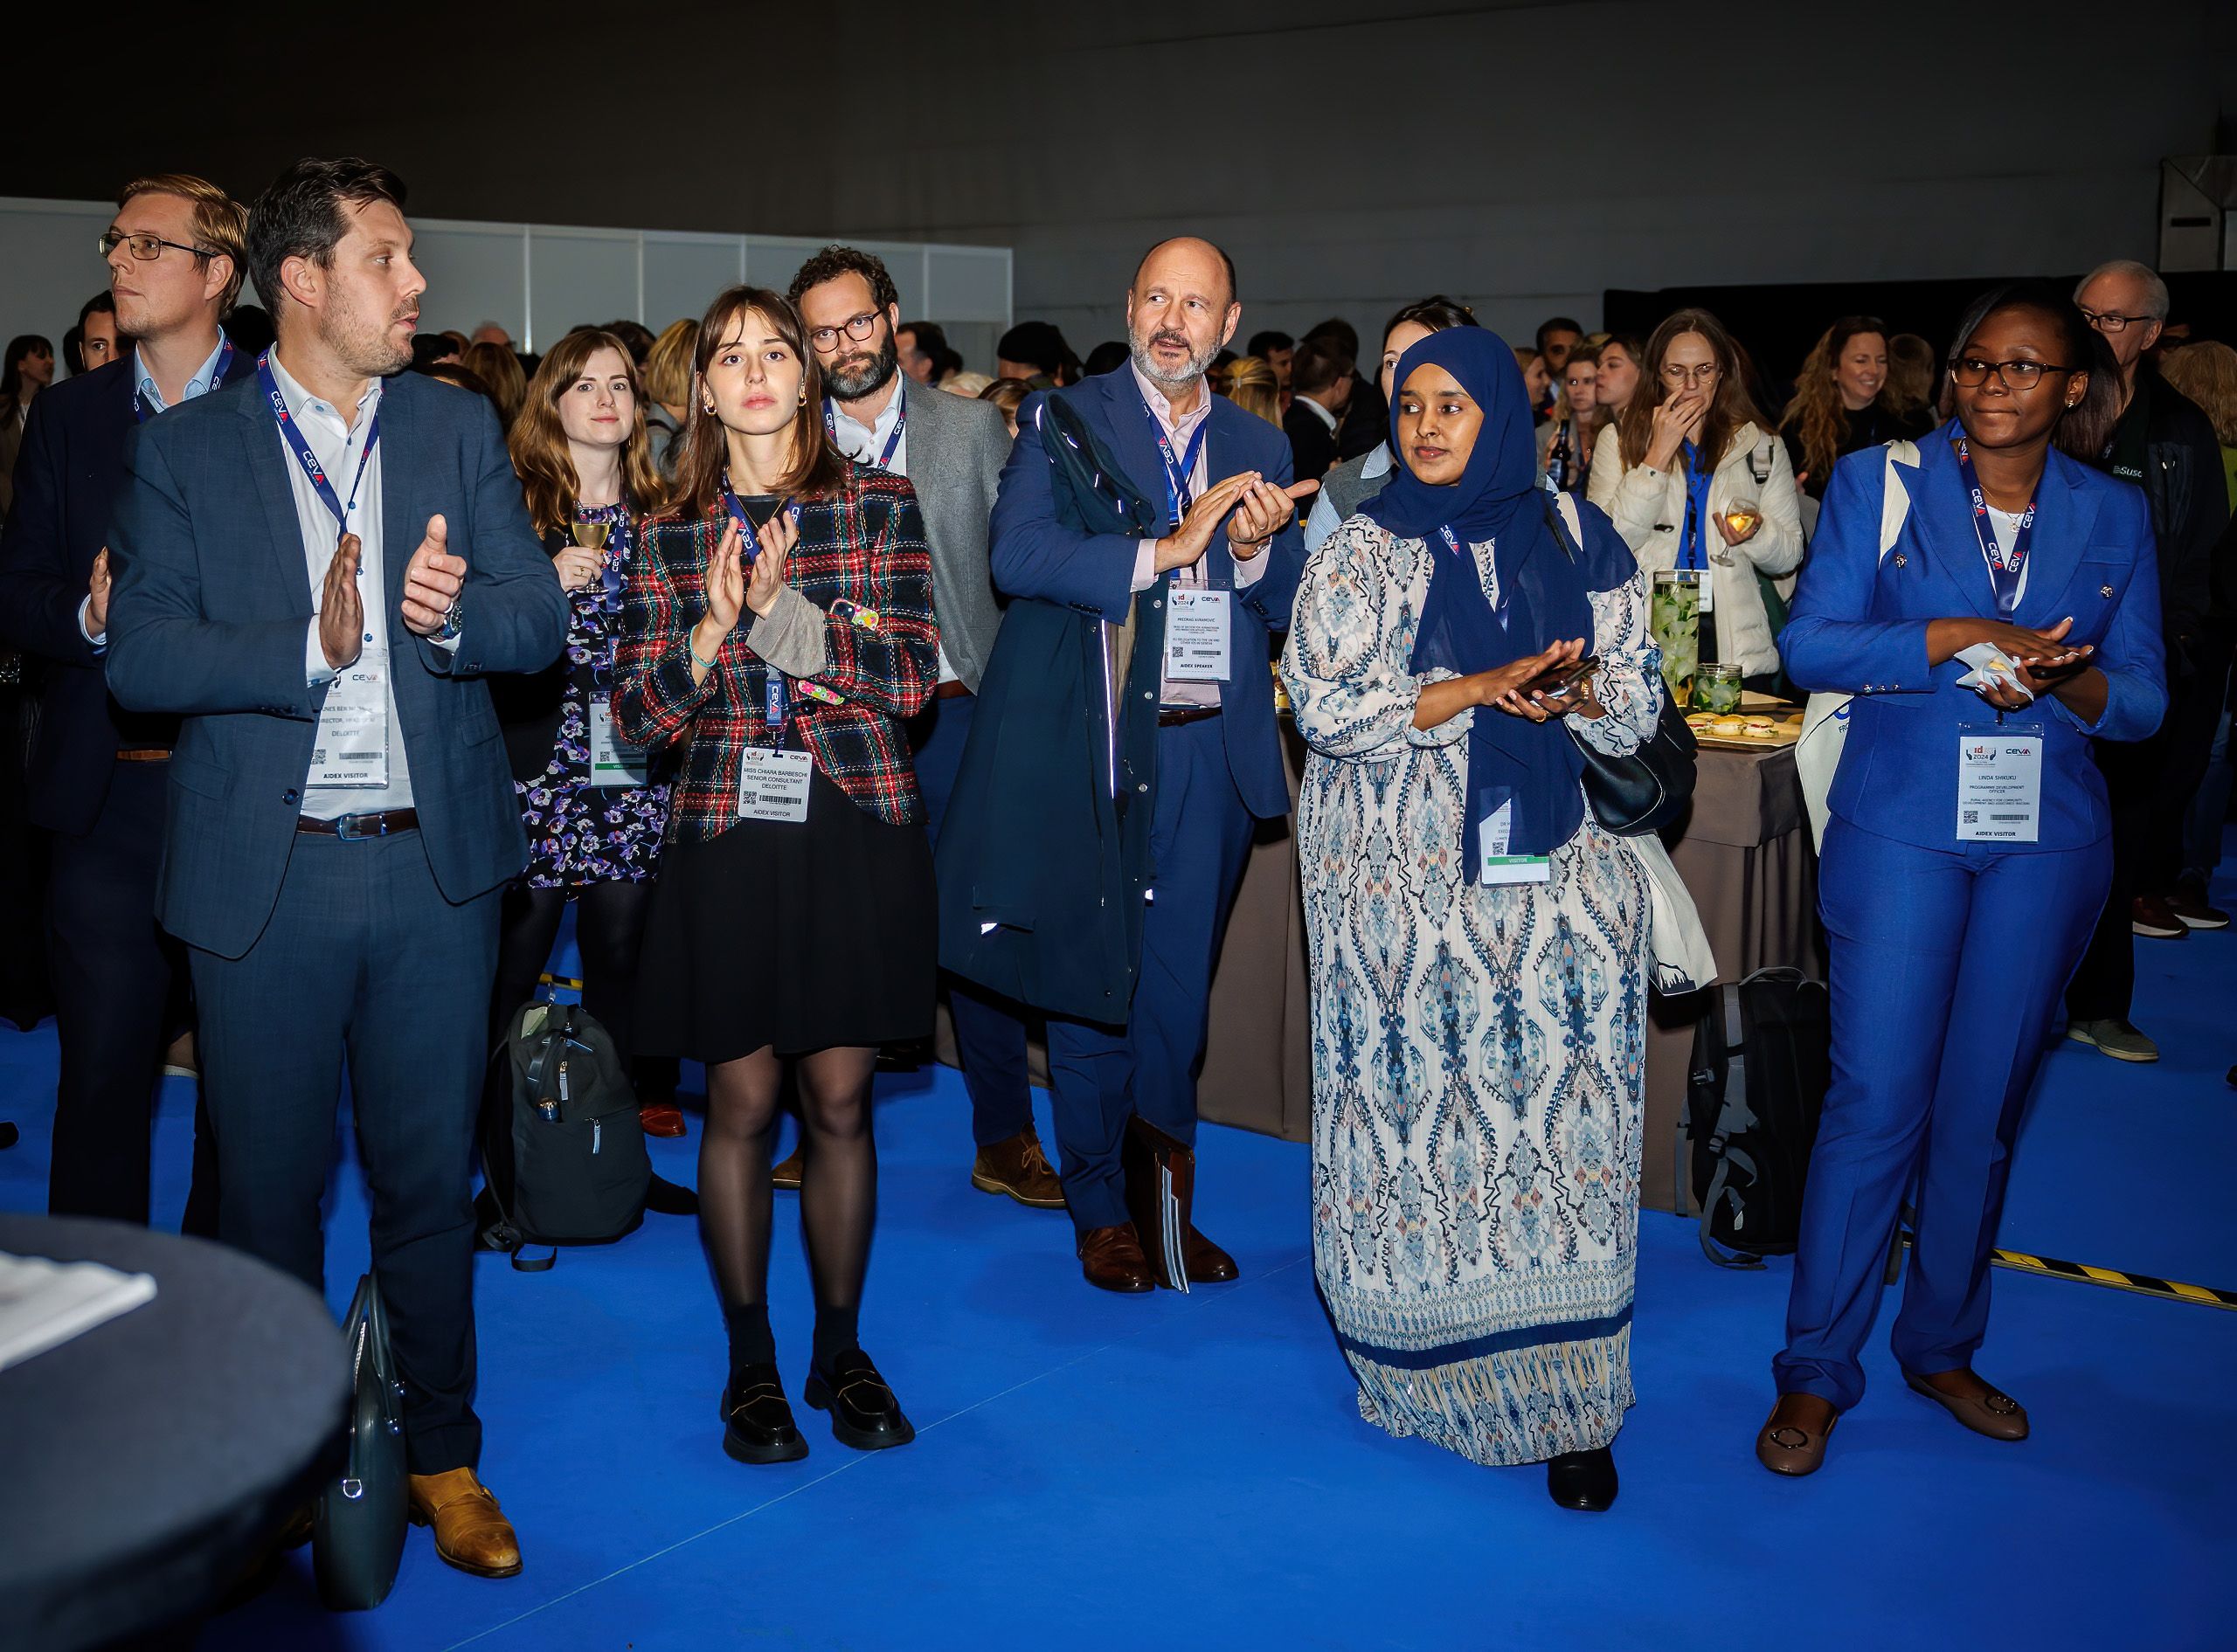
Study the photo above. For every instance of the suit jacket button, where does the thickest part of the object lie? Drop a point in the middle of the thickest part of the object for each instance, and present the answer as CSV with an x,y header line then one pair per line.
x,y
289,796
2105,591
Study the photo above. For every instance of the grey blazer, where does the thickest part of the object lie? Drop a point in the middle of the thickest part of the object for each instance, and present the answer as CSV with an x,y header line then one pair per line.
x,y
957,448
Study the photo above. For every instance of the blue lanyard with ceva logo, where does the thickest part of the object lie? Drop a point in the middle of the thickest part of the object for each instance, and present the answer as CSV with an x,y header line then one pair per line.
x,y
292,434
142,412
1178,497
773,680
1452,543
2004,571
892,443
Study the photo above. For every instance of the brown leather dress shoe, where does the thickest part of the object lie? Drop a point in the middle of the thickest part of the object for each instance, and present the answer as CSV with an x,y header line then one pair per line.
x,y
1019,1168
661,1118
471,1530
1112,1259
1793,1438
788,1175
1208,1263
1981,1407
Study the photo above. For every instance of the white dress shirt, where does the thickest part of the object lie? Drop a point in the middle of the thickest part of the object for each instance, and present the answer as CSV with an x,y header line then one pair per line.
x,y
339,448
865,443
1178,433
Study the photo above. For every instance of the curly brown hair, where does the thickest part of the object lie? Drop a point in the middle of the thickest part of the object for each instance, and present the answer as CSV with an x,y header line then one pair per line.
x,y
1816,415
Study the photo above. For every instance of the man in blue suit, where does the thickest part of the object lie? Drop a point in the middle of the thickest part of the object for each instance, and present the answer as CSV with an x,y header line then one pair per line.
x,y
1125,740
314,571
176,254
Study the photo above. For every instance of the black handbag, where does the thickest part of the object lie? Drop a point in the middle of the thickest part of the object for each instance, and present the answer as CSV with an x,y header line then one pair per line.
x,y
357,1529
1632,796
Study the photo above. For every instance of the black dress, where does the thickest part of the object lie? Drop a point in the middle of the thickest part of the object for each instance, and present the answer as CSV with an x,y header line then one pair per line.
x,y
1867,427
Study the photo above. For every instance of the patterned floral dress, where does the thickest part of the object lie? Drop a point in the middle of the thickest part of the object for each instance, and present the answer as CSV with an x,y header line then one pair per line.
x,y
1478,1051
579,832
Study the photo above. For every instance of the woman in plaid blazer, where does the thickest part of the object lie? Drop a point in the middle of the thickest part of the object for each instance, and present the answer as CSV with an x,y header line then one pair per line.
x,y
778,630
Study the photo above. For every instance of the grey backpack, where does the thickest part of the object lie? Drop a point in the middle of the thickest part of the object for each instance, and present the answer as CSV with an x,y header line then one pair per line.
x,y
565,1160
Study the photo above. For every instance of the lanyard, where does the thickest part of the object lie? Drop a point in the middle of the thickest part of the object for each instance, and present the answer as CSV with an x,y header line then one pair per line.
x,y
292,435
2003,575
142,412
1452,543
892,443
1178,497
1696,505
773,680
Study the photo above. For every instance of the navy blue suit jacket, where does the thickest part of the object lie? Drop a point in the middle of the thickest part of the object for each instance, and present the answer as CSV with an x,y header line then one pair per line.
x,y
67,477
211,606
1037,558
1858,627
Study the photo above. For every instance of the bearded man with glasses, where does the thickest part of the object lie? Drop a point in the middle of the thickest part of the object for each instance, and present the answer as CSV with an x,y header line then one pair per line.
x,y
2165,446
176,252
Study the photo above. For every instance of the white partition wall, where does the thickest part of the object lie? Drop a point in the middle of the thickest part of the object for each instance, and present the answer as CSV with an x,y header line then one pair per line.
x,y
535,280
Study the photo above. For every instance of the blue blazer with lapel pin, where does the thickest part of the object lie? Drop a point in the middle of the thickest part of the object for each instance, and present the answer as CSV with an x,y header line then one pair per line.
x,y
1858,627
212,604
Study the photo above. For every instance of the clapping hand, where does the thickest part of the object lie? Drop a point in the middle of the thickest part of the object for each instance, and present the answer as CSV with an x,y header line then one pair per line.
x,y
433,580
777,536
341,611
1185,546
97,590
2042,657
1506,687
1263,510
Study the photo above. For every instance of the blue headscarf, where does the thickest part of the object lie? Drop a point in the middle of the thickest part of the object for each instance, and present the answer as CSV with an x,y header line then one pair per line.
x,y
1544,588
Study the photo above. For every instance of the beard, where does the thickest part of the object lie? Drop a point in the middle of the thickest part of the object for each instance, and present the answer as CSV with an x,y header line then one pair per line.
x,y
861,373
366,347
1147,365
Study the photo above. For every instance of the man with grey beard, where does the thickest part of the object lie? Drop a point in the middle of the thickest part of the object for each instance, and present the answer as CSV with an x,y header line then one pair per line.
x,y
1147,535
952,450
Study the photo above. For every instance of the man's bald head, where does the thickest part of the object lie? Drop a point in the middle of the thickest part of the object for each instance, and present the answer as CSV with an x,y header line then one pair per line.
x,y
1196,251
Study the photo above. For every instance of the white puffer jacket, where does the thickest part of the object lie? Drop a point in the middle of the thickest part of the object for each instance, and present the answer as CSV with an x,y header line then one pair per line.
x,y
1648,507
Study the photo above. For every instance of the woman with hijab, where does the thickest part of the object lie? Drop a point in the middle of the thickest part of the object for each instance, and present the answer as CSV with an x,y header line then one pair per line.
x,y
1478,945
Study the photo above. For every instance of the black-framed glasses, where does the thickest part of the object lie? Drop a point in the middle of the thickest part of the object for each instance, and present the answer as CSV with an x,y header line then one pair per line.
x,y
1971,370
2112,321
146,248
825,339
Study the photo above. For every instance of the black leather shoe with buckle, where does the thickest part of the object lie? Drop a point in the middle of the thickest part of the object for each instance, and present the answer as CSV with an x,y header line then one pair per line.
x,y
758,1423
864,1413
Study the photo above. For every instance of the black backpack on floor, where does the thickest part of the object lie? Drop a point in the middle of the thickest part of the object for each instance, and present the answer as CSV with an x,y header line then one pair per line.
x,y
561,1149
1750,1157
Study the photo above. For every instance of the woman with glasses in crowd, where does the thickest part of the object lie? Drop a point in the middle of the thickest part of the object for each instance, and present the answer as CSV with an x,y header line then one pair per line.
x,y
2010,624
1843,400
1478,945
779,633
1693,481
593,811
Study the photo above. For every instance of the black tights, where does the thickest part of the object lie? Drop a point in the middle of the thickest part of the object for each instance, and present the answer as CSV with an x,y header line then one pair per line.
x,y
609,930
838,1191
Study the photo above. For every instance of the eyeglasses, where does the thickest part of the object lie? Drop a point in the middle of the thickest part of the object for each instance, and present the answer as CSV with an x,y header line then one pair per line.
x,y
1971,370
2112,321
146,248
825,339
1705,374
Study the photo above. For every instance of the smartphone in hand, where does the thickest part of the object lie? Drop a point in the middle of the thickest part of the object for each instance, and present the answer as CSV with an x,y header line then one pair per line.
x,y
1563,679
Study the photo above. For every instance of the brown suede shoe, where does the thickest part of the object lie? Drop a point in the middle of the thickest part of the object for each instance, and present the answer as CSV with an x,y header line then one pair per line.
x,y
471,1530
1112,1259
1208,1264
1981,1407
1019,1168
788,1175
1793,1437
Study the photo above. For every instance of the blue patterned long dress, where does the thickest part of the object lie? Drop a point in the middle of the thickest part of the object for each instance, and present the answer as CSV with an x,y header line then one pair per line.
x,y
1478,1052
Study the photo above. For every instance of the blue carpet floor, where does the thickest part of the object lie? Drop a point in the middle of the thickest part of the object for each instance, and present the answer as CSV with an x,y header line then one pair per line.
x,y
1097,1472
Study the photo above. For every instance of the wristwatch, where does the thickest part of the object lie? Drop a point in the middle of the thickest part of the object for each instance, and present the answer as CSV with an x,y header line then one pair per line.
x,y
454,620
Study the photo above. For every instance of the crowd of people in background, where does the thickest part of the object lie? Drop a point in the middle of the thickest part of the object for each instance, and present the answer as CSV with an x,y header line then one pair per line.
x,y
753,594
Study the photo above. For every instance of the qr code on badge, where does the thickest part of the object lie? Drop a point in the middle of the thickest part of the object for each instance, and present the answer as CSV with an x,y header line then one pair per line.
x,y
1972,817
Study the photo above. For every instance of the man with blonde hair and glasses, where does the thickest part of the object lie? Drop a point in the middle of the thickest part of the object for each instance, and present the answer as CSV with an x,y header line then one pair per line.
x,y
2165,446
176,252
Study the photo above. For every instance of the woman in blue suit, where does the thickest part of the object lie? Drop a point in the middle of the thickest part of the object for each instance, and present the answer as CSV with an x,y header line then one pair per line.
x,y
1967,857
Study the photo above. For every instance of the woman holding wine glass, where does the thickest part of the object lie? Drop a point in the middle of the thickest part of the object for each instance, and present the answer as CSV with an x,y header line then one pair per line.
x,y
592,810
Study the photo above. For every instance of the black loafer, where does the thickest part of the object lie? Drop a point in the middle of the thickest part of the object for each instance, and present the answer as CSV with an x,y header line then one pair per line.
x,y
864,1413
758,1423
1584,1481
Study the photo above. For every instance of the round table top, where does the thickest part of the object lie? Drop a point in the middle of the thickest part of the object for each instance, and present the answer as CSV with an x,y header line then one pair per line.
x,y
147,1458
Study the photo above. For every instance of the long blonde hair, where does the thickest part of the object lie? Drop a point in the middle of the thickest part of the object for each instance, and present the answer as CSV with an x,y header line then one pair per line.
x,y
538,442
1248,381
2206,372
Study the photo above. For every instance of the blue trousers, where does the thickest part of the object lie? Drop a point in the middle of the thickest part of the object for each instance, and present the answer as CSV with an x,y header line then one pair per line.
x,y
989,1035
364,961
1100,1077
1946,968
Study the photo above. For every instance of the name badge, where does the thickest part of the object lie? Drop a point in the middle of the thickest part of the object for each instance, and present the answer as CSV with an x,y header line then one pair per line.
x,y
614,762
351,748
1494,864
1196,636
1709,591
772,785
1999,784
